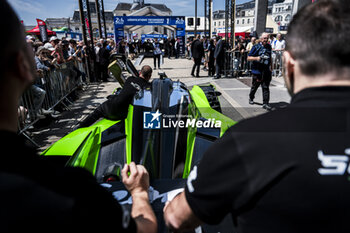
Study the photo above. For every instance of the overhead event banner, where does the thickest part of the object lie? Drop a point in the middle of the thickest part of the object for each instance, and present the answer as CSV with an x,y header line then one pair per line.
x,y
178,21
153,36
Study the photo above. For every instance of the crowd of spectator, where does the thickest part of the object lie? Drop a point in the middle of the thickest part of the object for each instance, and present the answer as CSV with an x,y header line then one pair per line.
x,y
239,53
60,72
57,54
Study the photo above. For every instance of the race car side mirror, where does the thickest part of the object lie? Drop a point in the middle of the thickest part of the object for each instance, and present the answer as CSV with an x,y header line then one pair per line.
x,y
112,173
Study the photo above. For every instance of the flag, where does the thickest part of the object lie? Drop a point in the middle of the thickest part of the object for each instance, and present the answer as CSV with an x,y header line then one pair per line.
x,y
43,30
88,26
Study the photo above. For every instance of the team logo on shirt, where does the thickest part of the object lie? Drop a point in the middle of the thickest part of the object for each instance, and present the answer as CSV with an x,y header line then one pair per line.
x,y
151,120
334,164
191,177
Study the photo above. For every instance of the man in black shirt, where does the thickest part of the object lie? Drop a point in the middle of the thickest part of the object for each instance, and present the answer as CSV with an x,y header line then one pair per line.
x,y
287,170
103,54
260,56
116,107
197,54
219,55
37,195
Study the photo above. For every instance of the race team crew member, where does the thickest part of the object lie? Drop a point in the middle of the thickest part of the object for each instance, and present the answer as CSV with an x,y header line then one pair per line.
x,y
37,195
116,108
260,56
286,170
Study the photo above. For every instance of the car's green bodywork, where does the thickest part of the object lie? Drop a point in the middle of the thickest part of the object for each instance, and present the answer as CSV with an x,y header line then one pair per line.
x,y
83,145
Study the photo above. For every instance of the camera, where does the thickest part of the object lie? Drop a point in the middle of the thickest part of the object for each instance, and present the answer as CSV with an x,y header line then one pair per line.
x,y
264,59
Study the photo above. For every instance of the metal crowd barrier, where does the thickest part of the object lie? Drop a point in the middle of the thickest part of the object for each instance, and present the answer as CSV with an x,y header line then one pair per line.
x,y
277,63
50,89
236,64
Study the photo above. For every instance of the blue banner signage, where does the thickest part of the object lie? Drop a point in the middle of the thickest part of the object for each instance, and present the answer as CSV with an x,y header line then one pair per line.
x,y
283,28
178,21
153,36
149,20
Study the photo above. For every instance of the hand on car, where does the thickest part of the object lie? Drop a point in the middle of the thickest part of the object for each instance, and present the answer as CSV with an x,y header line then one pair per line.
x,y
135,178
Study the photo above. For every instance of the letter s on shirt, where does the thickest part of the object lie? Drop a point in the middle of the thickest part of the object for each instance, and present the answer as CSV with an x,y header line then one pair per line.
x,y
332,164
191,177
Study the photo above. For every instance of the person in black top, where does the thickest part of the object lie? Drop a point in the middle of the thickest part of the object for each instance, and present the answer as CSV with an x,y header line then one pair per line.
x,y
116,107
104,60
197,55
260,56
286,170
38,195
219,55
211,50
157,51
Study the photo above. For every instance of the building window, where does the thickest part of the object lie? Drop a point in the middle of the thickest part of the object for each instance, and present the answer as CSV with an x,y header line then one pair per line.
x,y
248,21
190,21
214,24
219,24
198,21
76,29
242,21
237,21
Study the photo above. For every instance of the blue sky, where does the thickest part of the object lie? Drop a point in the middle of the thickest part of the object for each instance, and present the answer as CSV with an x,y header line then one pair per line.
x,y
29,10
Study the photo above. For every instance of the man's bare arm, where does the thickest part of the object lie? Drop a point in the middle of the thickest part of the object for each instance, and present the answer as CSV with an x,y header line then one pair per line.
x,y
178,215
137,183
250,58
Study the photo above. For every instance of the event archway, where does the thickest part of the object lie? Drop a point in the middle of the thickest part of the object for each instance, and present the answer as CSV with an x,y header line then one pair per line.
x,y
177,21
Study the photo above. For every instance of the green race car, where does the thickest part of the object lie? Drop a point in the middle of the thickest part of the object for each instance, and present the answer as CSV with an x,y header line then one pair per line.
x,y
167,129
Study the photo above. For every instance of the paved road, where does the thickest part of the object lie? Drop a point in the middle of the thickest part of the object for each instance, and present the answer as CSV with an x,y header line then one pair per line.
x,y
234,99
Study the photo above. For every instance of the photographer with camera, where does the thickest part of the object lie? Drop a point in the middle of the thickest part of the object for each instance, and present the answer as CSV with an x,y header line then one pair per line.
x,y
260,56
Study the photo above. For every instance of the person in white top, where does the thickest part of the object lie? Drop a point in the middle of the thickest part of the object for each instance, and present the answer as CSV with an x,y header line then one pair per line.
x,y
278,46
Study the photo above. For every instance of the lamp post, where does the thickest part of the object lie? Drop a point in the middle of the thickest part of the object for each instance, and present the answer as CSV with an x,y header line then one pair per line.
x,y
98,12
104,18
195,19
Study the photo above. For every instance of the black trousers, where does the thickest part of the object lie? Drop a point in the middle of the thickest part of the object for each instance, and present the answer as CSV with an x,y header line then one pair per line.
x,y
263,79
98,73
170,52
211,67
104,72
218,67
197,64
155,57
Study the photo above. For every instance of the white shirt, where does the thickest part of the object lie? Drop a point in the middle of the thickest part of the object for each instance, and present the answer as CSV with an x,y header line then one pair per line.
x,y
278,45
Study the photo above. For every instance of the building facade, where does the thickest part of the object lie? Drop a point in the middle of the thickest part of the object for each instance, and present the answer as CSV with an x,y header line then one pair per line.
x,y
282,12
279,13
140,8
190,25
137,8
74,25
